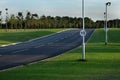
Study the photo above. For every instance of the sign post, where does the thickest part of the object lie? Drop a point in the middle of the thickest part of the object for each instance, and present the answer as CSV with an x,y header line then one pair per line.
x,y
83,33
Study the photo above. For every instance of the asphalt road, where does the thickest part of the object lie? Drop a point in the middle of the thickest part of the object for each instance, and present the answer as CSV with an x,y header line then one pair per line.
x,y
40,48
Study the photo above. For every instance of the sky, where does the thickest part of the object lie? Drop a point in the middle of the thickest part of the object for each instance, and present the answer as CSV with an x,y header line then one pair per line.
x,y
93,8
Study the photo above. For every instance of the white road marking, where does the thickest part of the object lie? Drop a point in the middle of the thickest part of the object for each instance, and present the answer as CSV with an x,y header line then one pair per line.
x,y
48,35
20,51
39,46
3,45
16,43
10,44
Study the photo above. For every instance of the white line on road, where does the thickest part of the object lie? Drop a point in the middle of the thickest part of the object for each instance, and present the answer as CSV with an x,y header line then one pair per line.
x,y
20,51
48,35
39,46
10,44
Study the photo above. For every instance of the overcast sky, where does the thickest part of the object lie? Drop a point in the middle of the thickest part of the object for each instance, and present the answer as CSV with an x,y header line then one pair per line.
x,y
93,8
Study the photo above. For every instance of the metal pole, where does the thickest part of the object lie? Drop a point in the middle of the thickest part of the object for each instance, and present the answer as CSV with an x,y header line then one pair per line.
x,y
83,44
6,18
1,19
106,25
106,30
106,39
104,21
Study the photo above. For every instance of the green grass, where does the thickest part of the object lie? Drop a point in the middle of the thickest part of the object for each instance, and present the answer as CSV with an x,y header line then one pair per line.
x,y
103,63
13,36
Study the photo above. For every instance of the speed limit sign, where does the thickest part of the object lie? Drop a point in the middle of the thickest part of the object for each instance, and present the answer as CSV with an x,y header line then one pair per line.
x,y
83,33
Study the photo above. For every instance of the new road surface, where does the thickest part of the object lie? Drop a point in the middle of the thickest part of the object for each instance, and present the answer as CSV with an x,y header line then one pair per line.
x,y
40,48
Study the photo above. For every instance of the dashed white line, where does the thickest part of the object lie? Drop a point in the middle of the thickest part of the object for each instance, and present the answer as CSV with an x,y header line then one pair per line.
x,y
39,46
20,51
48,35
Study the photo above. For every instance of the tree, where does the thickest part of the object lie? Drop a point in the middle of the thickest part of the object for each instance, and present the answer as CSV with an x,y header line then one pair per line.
x,y
43,21
80,22
99,24
65,21
27,21
32,21
13,22
20,18
35,18
88,22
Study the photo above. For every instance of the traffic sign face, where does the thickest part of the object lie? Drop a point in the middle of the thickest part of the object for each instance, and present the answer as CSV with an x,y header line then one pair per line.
x,y
83,33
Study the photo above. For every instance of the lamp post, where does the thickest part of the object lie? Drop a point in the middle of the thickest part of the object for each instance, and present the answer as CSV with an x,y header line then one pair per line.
x,y
6,18
1,19
106,28
83,33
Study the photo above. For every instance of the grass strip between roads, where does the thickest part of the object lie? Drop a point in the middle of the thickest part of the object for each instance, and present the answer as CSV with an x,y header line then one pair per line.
x,y
103,63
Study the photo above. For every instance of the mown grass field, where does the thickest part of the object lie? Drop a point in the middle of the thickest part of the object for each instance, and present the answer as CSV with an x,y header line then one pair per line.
x,y
103,63
13,36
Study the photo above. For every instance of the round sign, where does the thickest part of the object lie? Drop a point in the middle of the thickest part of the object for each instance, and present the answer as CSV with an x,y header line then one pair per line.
x,y
83,33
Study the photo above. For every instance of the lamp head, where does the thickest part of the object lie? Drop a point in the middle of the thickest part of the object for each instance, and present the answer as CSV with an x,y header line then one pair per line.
x,y
6,9
104,13
108,3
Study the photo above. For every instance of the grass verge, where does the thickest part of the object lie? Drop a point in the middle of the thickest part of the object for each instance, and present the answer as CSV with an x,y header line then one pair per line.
x,y
103,63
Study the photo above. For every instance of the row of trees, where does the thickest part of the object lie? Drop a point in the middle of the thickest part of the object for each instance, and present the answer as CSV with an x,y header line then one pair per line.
x,y
115,23
33,21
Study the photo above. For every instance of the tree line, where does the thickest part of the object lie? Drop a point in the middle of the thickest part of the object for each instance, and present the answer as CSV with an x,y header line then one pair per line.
x,y
33,21
115,23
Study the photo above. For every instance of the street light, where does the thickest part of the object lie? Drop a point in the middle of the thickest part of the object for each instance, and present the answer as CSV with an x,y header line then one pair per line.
x,y
6,18
83,33
1,19
106,29
104,21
